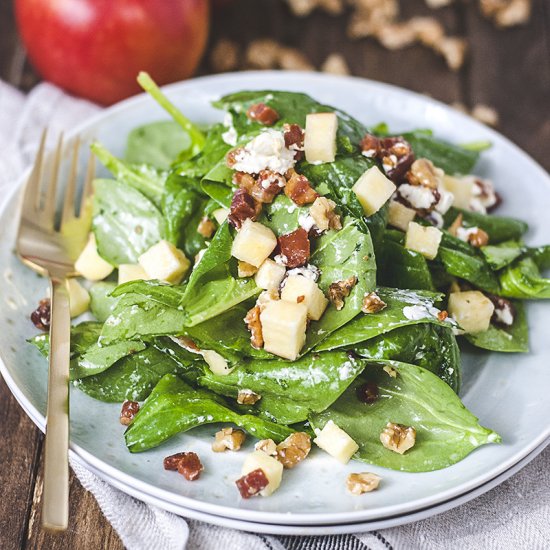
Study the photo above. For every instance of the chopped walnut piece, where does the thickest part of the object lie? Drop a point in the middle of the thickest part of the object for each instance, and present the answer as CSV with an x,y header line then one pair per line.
x,y
228,439
294,138
291,59
187,464
475,236
423,172
268,185
396,36
372,303
41,315
370,16
267,446
335,64
254,325
299,190
293,449
434,4
428,30
507,13
453,51
392,373
262,54
323,214
370,146
368,392
442,315
397,157
262,113
244,181
252,483
244,269
206,227
365,482
243,207
224,56
301,8
247,397
398,438
231,156
295,248
341,289
487,115
128,411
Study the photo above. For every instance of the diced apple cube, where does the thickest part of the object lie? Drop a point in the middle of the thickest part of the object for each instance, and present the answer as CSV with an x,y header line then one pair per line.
x,y
400,215
336,442
284,328
461,188
216,362
373,189
270,275
302,289
165,262
253,243
131,272
220,215
423,239
320,137
90,264
472,310
79,298
271,467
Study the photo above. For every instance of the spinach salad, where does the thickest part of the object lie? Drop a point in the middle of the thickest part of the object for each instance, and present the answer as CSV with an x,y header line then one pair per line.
x,y
295,275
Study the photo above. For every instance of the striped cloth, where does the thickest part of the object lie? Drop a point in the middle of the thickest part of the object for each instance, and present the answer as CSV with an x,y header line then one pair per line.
x,y
516,515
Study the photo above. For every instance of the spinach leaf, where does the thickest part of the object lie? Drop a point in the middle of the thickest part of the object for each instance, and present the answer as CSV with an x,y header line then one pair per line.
x,y
445,430
143,178
427,345
402,268
292,107
462,260
282,215
290,390
340,255
102,303
212,287
498,228
453,159
541,256
196,136
125,222
138,316
523,279
156,143
175,407
133,377
506,339
503,254
366,326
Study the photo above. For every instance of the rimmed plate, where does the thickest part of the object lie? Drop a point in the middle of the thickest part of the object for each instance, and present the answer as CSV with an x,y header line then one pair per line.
x,y
507,392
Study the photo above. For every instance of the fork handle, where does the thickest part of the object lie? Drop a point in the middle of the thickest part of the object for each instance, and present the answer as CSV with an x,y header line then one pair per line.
x,y
55,500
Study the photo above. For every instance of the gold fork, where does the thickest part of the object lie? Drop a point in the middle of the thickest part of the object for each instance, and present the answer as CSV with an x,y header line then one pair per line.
x,y
50,243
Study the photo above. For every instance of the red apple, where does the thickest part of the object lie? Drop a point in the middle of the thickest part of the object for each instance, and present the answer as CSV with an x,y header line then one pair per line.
x,y
95,48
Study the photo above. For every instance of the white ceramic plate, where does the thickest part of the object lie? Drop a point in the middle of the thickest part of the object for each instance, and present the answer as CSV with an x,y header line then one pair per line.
x,y
507,392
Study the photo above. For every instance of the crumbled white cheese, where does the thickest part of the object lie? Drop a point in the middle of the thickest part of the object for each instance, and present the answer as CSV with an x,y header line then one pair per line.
x,y
306,222
229,136
419,311
418,196
309,271
266,151
503,314
446,199
280,259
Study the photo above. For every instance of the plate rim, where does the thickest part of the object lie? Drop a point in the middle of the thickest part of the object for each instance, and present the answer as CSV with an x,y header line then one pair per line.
x,y
291,518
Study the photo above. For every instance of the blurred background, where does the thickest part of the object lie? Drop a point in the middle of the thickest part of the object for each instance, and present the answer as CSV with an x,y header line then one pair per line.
x,y
490,58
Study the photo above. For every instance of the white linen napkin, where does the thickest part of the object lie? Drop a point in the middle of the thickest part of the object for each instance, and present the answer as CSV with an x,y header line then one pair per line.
x,y
514,515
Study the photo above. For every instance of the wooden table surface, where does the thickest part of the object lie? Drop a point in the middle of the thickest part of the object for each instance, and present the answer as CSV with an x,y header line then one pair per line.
x,y
506,69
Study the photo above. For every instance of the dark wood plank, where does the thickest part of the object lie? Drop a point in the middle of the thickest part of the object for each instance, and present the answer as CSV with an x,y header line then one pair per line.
x,y
88,527
18,454
510,70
